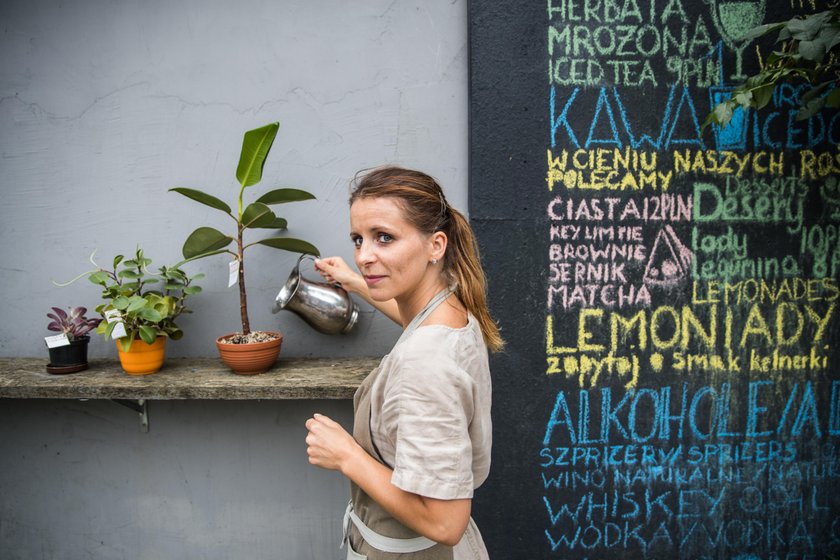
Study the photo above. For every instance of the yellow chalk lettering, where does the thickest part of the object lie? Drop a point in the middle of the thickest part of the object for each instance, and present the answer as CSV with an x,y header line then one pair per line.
x,y
627,326
549,339
756,325
657,341
781,339
689,319
583,334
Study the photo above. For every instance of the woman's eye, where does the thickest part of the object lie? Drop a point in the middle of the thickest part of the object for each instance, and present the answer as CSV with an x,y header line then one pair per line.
x,y
357,242
384,238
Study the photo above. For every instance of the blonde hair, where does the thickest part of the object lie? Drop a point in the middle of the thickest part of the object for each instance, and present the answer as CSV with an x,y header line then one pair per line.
x,y
425,207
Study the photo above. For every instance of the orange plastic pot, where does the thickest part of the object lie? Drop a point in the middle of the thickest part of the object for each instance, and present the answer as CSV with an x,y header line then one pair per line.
x,y
249,359
142,358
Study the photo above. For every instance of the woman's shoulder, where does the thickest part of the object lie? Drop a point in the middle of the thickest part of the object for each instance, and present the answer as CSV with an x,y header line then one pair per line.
x,y
443,349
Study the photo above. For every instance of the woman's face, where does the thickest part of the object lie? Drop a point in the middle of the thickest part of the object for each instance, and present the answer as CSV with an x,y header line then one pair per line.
x,y
391,254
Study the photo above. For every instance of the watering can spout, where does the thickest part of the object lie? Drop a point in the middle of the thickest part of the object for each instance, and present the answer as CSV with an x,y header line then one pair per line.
x,y
324,307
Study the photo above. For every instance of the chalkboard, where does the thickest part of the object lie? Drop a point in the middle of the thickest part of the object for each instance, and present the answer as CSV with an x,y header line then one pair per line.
x,y
669,296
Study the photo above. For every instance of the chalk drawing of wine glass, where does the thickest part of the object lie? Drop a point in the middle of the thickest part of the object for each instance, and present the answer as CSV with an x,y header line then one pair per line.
x,y
733,19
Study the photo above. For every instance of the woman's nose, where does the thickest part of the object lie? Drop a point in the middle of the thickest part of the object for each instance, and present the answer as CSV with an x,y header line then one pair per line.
x,y
365,254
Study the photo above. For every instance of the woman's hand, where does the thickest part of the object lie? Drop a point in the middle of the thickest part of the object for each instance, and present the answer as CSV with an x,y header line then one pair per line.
x,y
335,271
329,446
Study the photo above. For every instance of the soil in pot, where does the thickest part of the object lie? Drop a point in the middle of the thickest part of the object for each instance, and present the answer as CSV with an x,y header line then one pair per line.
x,y
142,358
250,358
70,358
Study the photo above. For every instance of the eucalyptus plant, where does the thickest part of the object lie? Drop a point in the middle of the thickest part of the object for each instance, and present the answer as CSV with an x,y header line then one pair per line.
x,y
807,49
206,241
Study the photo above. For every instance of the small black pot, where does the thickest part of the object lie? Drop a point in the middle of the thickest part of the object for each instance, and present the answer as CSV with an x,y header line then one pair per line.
x,y
71,358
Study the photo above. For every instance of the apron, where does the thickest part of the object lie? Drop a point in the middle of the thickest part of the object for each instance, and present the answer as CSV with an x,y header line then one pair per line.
x,y
371,513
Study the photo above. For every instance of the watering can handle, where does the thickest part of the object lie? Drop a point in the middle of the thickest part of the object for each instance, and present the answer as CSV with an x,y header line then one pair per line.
x,y
305,255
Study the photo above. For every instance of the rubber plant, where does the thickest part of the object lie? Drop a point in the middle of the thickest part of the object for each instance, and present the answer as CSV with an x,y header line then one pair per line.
x,y
257,215
807,49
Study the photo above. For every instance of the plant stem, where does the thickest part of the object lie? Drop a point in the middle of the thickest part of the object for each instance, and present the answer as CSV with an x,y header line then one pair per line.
x,y
243,300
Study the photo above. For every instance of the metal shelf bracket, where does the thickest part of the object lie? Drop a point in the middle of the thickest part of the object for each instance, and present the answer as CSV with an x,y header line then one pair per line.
x,y
141,406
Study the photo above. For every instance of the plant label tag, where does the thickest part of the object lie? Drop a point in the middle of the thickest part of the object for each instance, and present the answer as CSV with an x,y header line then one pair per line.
x,y
57,340
233,272
113,316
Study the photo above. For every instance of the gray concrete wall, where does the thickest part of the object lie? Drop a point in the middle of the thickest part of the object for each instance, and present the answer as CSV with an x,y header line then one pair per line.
x,y
103,107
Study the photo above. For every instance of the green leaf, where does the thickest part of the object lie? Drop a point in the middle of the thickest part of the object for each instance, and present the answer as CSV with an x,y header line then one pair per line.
x,y
743,98
291,244
127,341
257,215
811,108
203,198
757,32
204,240
763,95
117,260
150,315
191,290
136,302
109,328
101,277
148,334
281,196
814,92
723,113
812,50
278,223
255,147
129,273
121,303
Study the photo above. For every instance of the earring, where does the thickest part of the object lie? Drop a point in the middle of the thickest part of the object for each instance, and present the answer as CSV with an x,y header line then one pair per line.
x,y
434,261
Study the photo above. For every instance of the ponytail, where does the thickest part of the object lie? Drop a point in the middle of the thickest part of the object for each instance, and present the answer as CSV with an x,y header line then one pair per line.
x,y
464,265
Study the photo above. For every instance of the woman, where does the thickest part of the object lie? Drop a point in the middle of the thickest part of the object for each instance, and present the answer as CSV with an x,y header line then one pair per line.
x,y
422,434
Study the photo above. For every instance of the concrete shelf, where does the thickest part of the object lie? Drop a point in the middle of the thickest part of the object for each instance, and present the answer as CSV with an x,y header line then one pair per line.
x,y
187,378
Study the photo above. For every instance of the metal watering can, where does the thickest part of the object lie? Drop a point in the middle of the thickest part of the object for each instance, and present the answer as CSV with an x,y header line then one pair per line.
x,y
325,307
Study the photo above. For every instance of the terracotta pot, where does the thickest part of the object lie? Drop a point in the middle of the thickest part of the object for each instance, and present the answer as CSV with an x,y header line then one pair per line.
x,y
142,358
250,359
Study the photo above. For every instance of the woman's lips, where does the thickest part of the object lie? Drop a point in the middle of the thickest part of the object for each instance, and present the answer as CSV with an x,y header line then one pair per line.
x,y
372,280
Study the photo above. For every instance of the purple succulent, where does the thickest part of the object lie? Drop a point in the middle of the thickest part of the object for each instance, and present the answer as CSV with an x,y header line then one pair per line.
x,y
74,325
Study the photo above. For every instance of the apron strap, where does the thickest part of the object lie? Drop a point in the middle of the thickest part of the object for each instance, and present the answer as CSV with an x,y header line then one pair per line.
x,y
424,313
381,542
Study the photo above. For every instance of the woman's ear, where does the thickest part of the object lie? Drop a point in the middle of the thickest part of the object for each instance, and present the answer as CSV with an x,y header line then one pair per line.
x,y
439,242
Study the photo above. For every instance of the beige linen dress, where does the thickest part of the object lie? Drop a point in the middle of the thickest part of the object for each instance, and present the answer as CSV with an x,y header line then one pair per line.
x,y
425,413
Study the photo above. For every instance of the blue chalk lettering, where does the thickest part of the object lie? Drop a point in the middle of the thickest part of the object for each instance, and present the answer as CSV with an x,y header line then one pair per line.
x,y
564,511
560,408
636,142
655,421
753,410
562,120
583,419
834,410
792,131
724,401
692,418
609,416
697,139
658,501
666,418
807,413
603,101
787,408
